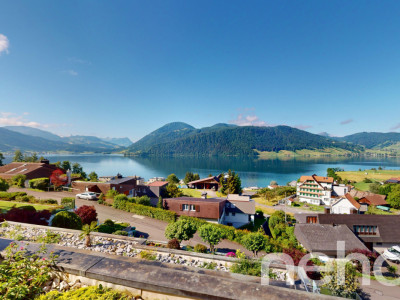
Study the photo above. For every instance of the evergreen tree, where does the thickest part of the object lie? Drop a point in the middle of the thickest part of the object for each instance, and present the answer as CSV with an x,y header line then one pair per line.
x,y
18,156
1,159
232,184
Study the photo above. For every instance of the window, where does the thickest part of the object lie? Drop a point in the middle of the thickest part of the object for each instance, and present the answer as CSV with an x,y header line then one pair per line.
x,y
185,207
365,229
192,207
312,220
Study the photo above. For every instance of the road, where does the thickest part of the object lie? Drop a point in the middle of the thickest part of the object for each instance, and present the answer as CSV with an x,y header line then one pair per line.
x,y
149,228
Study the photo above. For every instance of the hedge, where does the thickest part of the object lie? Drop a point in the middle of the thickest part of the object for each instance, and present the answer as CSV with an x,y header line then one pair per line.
x,y
143,210
11,196
39,183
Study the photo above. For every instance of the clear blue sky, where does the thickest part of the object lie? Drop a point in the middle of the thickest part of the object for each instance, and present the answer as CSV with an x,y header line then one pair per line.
x,y
125,68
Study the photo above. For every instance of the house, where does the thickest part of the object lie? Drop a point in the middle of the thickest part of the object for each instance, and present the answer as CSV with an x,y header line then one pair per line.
x,y
210,183
377,232
323,238
292,183
235,210
123,185
374,200
30,170
315,189
346,205
393,180
340,190
156,189
156,179
209,209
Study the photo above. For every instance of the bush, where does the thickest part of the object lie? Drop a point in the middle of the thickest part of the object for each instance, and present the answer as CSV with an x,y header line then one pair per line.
x,y
211,235
111,194
4,185
27,207
120,201
25,199
121,232
68,202
174,244
11,196
91,292
67,219
259,213
87,213
39,183
367,180
27,216
108,222
247,267
182,230
200,248
18,180
148,255
48,201
144,200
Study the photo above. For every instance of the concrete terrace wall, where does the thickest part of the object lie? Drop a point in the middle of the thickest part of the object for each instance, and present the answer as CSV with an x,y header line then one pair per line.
x,y
154,280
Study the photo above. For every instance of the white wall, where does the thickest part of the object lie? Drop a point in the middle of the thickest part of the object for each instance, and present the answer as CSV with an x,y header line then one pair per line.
x,y
343,206
237,220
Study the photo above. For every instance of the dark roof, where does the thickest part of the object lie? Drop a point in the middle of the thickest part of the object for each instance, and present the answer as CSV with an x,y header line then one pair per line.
x,y
25,168
212,200
374,199
213,178
241,207
387,225
121,180
302,217
323,238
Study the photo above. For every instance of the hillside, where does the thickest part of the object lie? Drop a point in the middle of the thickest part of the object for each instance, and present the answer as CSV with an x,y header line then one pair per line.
x,y
90,141
231,140
370,140
35,132
123,142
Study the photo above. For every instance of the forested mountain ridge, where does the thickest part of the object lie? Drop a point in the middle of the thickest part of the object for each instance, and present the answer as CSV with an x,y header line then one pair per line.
x,y
372,139
236,141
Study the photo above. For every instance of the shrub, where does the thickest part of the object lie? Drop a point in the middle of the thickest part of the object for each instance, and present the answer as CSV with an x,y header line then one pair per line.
x,y
67,219
367,180
121,232
174,244
25,199
39,183
27,207
18,180
144,200
200,248
68,202
108,222
87,213
102,197
105,228
3,185
120,201
48,201
247,267
27,216
148,255
259,213
255,242
11,196
182,230
111,194
211,235
231,254
91,292
392,269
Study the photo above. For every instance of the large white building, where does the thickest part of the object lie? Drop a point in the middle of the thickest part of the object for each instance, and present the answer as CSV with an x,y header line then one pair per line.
x,y
315,189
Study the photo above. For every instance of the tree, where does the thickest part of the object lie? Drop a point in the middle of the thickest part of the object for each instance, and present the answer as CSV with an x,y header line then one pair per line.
x,y
86,230
93,177
18,180
231,185
342,284
255,242
160,202
58,178
66,165
182,230
190,177
3,185
210,234
172,178
273,182
173,191
374,187
18,156
1,159
394,197
77,168
331,172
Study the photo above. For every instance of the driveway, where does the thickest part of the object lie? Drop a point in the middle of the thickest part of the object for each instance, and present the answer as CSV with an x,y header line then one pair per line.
x,y
149,228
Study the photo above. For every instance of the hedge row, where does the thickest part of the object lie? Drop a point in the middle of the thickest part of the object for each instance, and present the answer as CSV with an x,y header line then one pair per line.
x,y
148,211
11,196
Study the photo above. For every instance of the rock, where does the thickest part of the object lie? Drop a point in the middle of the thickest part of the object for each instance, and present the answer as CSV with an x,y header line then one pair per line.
x,y
56,283
63,286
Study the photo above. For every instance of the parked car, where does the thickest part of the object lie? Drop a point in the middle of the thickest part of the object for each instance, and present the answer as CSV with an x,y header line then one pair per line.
x,y
87,196
392,254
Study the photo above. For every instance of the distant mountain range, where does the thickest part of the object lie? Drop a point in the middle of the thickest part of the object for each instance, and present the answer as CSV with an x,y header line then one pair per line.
x,y
181,139
33,139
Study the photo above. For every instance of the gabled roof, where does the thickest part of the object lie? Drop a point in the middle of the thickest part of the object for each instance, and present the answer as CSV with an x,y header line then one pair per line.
x,y
25,168
324,237
215,178
351,200
158,183
318,179
374,199
241,207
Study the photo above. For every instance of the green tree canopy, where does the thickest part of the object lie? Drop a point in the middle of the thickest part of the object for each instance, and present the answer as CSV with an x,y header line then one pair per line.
x,y
190,177
182,230
394,197
273,182
66,165
3,185
210,234
255,242
18,156
93,177
173,191
172,178
232,184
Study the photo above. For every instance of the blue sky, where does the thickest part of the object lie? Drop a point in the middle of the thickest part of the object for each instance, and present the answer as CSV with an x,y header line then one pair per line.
x,y
125,68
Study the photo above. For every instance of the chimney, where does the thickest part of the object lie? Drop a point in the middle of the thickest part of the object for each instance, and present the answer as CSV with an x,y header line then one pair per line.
x,y
204,195
45,161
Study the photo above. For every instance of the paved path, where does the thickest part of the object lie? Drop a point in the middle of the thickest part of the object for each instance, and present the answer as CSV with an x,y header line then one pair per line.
x,y
378,291
149,228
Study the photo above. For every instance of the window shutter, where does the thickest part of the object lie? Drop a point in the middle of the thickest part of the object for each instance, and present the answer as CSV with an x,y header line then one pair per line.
x,y
180,207
197,208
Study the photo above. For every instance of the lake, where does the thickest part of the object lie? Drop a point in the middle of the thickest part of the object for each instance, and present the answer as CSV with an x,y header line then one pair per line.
x,y
253,172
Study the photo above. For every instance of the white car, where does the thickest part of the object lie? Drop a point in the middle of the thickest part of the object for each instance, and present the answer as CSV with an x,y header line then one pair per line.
x,y
87,196
392,254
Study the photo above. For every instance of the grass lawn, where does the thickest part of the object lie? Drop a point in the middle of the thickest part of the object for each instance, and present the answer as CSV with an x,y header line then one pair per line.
x,y
374,175
6,205
310,207
362,186
262,200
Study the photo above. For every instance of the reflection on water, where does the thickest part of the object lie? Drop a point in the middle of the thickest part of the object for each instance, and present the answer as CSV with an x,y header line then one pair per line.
x,y
253,172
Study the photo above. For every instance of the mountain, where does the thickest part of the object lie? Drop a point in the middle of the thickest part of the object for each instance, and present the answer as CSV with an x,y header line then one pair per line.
x,y
166,133
123,142
185,140
377,140
90,141
35,132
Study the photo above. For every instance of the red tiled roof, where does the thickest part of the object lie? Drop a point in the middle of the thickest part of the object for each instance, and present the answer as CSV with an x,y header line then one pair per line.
x,y
158,183
317,178
33,169
352,201
374,199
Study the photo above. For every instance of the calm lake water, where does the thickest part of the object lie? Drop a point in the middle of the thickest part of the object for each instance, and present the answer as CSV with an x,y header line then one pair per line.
x,y
253,172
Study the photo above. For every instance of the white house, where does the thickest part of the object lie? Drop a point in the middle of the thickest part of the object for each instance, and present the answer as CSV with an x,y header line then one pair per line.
x,y
315,189
340,189
238,211
345,205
